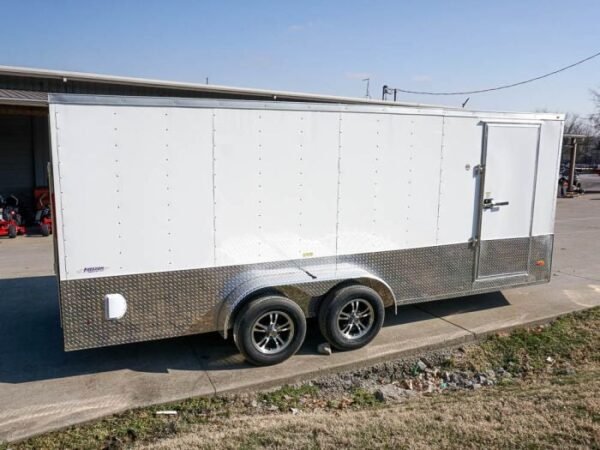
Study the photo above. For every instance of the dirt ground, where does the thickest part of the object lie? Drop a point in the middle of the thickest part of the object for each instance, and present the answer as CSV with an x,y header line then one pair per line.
x,y
549,413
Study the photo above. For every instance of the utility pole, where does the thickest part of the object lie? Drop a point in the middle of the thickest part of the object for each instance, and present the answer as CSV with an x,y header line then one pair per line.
x,y
386,90
572,164
573,158
368,94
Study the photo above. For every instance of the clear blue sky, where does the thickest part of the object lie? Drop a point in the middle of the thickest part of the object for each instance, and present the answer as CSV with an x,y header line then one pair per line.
x,y
322,46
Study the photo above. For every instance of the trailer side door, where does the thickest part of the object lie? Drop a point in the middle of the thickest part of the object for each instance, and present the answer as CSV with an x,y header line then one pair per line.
x,y
507,192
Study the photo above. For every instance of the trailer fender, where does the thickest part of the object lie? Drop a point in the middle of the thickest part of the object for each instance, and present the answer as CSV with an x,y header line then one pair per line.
x,y
300,284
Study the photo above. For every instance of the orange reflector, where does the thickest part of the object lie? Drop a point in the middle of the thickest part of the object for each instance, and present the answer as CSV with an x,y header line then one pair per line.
x,y
540,263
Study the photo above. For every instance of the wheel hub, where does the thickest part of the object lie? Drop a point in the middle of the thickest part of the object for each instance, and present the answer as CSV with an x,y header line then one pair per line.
x,y
356,318
273,332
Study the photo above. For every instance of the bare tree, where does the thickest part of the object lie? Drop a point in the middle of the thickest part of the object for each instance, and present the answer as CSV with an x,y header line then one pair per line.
x,y
589,126
575,124
595,118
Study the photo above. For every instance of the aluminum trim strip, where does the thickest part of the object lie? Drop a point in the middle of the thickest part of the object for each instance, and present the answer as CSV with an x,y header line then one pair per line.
x,y
110,100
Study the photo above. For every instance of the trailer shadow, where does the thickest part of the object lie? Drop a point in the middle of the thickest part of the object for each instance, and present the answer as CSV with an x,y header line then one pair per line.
x,y
31,341
31,346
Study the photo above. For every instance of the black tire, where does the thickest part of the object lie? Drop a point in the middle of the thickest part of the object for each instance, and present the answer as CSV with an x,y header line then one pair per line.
x,y
255,314
44,229
359,330
12,231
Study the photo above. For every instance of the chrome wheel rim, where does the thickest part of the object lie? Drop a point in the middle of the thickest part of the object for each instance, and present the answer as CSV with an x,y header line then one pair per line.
x,y
355,319
272,332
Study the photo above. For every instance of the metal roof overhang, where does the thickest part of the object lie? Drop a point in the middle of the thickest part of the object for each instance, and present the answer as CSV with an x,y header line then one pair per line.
x,y
209,89
57,81
23,98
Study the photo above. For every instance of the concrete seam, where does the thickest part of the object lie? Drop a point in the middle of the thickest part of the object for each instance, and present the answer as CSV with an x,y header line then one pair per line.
x,y
202,364
445,320
577,276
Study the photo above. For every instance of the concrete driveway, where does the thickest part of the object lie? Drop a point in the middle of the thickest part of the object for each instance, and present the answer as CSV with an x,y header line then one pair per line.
x,y
43,388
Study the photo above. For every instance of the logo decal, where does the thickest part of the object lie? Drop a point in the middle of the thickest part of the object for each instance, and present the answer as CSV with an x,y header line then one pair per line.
x,y
94,269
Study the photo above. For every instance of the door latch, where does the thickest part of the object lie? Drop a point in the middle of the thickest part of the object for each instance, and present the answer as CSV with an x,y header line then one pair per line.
x,y
489,203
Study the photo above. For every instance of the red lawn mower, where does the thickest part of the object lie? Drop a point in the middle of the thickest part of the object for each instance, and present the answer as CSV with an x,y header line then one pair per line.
x,y
10,220
43,215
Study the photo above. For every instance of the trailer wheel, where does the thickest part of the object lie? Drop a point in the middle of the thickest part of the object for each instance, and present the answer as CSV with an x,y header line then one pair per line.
x,y
269,330
351,317
12,231
44,229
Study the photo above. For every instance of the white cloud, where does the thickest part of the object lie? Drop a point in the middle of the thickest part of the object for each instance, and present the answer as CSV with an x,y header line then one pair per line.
x,y
298,27
421,78
358,75
258,61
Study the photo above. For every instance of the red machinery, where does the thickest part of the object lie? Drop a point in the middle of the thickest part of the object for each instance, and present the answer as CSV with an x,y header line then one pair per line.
x,y
43,215
10,219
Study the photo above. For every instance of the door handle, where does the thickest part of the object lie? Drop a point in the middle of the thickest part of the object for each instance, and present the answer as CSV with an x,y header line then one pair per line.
x,y
489,203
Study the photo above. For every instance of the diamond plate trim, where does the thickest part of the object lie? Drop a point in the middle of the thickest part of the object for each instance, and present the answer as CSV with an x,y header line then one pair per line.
x,y
169,304
503,256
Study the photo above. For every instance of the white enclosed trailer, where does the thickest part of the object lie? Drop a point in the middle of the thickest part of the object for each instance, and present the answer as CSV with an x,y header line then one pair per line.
x,y
184,216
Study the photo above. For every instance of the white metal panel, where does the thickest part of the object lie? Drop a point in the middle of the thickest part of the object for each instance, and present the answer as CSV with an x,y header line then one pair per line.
x,y
188,168
298,179
510,169
318,194
360,146
389,182
547,178
85,184
459,196
142,193
132,180
276,185
425,145
236,167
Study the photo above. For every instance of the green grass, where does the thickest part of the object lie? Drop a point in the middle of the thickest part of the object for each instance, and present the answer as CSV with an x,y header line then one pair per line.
x,y
574,338
363,398
288,396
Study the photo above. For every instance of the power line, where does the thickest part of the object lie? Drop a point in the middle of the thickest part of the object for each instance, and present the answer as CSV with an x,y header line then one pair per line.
x,y
506,86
